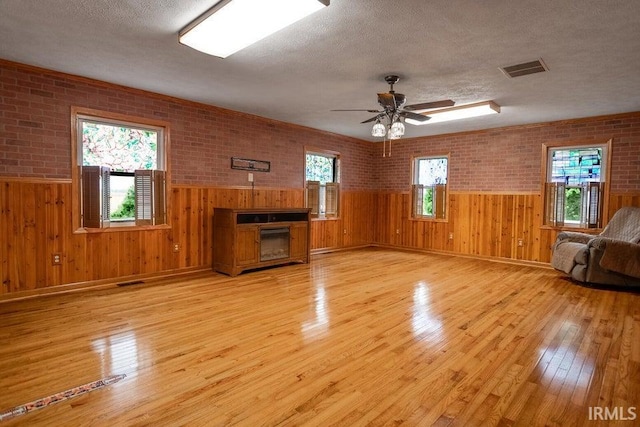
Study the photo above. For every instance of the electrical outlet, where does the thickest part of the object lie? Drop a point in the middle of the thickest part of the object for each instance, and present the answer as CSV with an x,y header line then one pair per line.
x,y
344,231
176,247
250,177
451,236
56,259
397,231
520,242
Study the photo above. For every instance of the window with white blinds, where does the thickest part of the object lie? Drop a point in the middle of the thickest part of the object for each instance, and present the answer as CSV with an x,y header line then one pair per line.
x,y
429,189
121,177
322,187
575,186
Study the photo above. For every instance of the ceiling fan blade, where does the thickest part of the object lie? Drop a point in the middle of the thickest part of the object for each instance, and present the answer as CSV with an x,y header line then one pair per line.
x,y
428,105
368,111
387,100
379,116
414,116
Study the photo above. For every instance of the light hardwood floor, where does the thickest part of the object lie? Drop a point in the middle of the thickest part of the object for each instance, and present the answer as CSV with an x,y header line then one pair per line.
x,y
366,337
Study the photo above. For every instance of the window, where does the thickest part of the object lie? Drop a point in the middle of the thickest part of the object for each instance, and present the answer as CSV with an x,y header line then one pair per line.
x,y
429,190
574,190
322,183
121,170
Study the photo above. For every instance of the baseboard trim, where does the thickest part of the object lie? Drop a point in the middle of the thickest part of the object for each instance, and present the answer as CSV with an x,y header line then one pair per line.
x,y
340,249
113,282
472,256
100,284
439,252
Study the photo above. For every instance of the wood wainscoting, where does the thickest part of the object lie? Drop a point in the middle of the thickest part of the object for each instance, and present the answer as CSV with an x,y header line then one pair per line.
x,y
35,223
483,224
354,227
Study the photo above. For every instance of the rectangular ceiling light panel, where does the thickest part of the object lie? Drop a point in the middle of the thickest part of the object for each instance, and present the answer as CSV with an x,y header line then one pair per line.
x,y
460,112
232,25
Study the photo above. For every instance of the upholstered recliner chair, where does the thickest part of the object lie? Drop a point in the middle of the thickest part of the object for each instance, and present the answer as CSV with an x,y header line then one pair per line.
x,y
609,258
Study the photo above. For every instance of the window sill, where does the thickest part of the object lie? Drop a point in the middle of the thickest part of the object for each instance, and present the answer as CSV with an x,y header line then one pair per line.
x,y
426,219
333,218
570,228
120,228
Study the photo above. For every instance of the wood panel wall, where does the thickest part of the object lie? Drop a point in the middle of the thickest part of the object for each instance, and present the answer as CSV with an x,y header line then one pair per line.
x,y
480,224
354,227
35,222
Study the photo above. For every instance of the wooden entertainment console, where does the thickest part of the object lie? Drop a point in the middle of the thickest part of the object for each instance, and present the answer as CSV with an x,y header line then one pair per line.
x,y
245,239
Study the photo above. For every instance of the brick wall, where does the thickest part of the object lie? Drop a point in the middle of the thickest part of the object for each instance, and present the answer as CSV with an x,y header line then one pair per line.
x,y
509,159
35,141
35,133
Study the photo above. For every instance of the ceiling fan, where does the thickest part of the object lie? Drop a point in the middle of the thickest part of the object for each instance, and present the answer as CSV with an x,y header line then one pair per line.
x,y
393,107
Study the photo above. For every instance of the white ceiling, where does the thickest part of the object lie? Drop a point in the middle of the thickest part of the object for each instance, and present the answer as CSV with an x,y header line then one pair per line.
x,y
337,58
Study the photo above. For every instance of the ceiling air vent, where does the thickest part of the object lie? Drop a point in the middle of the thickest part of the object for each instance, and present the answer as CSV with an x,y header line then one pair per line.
x,y
523,69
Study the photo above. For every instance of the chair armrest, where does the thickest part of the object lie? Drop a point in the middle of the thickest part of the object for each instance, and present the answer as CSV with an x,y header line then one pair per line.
x,y
600,243
572,236
618,255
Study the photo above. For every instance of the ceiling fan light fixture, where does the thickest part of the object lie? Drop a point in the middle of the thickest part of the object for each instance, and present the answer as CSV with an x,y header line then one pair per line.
x,y
394,135
232,25
460,112
379,130
398,128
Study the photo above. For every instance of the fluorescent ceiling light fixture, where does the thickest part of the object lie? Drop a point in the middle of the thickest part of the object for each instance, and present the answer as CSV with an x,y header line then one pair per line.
x,y
232,25
459,112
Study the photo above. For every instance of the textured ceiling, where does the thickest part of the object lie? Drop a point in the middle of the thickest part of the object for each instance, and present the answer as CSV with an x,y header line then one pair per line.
x,y
337,58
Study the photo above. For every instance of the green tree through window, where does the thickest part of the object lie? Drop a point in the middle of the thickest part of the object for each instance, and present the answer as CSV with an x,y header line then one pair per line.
x,y
127,208
427,202
429,187
572,208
